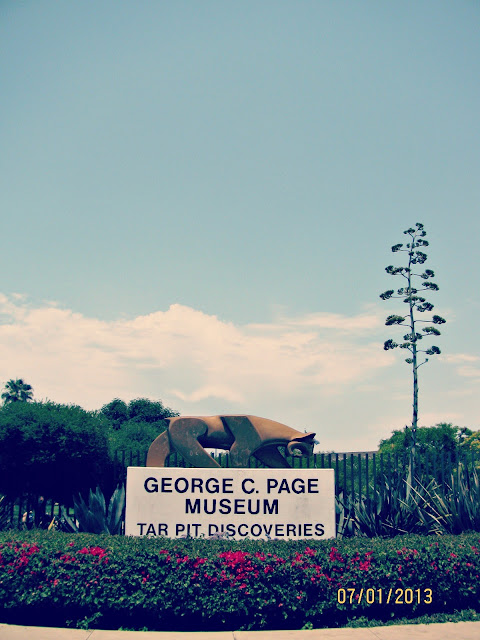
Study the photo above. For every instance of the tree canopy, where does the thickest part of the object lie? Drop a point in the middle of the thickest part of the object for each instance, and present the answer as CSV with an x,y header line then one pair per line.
x,y
444,436
139,410
134,426
51,449
472,441
17,391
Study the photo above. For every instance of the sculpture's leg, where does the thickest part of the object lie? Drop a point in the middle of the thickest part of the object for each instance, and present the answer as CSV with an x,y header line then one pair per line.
x,y
246,439
184,434
158,451
271,457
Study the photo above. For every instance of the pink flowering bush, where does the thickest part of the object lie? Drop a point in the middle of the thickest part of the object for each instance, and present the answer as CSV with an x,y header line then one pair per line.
x,y
52,578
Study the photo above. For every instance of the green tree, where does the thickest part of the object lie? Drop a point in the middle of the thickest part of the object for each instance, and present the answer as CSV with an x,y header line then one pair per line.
x,y
133,427
134,438
116,412
51,450
472,441
17,391
416,304
145,410
140,410
444,436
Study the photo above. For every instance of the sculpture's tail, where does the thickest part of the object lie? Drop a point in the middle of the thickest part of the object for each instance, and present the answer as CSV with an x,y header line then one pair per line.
x,y
159,450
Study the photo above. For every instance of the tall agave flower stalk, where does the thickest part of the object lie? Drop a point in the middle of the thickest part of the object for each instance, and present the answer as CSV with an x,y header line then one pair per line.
x,y
416,304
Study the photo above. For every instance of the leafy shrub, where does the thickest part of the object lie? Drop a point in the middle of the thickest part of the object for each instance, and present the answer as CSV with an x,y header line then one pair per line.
x,y
79,579
135,437
50,449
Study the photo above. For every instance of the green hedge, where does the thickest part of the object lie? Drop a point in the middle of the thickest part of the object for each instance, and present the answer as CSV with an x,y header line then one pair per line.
x,y
52,578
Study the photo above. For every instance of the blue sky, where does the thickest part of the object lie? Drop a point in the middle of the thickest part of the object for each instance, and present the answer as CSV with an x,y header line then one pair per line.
x,y
198,202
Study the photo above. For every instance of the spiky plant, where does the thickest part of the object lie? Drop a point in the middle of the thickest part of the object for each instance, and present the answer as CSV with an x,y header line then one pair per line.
x,y
94,517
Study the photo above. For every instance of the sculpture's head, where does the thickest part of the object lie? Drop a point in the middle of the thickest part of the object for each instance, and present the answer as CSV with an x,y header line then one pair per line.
x,y
301,446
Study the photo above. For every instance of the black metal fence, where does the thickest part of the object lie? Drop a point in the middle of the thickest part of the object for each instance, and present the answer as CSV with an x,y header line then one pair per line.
x,y
28,512
357,475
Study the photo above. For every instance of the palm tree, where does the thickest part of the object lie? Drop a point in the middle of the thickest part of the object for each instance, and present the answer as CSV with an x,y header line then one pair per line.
x,y
17,391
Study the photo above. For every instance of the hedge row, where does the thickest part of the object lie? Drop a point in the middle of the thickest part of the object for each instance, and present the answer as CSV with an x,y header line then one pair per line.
x,y
58,579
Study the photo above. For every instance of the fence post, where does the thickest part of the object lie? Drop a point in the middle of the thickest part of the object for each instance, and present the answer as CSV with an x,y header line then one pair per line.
x,y
366,475
442,467
352,477
374,471
359,476
336,470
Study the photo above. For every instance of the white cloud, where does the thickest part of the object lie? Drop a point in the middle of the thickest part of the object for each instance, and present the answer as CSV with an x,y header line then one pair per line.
x,y
334,321
469,372
324,372
208,392
349,324
194,356
459,358
465,360
434,417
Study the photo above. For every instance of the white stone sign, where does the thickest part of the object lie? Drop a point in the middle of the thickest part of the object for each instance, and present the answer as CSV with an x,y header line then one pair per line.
x,y
287,504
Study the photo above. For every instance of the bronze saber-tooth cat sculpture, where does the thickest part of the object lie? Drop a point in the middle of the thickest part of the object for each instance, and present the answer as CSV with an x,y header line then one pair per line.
x,y
241,435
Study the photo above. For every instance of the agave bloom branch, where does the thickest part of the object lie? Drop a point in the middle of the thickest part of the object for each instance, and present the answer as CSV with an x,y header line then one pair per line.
x,y
416,304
